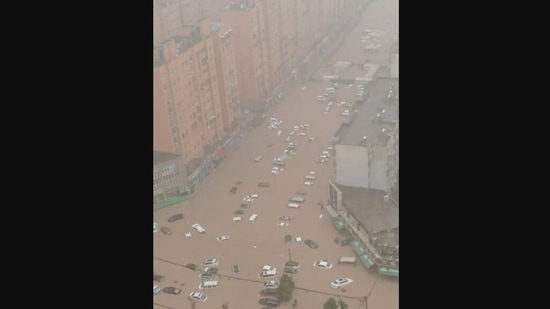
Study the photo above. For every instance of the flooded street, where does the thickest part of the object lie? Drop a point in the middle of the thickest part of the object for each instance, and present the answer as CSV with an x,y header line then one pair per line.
x,y
252,245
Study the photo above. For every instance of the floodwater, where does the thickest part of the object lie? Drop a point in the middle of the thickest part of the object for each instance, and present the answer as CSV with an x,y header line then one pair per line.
x,y
252,245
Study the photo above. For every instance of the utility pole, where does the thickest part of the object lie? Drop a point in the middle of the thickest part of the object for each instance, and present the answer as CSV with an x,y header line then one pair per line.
x,y
366,302
289,257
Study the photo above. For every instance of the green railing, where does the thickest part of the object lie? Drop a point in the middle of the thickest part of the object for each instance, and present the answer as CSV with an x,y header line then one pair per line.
x,y
171,201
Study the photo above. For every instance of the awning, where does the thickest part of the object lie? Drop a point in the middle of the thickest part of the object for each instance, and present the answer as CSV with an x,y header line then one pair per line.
x,y
389,271
357,248
366,260
338,224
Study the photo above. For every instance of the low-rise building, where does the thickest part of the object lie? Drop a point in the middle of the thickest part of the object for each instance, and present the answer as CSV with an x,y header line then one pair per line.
x,y
169,179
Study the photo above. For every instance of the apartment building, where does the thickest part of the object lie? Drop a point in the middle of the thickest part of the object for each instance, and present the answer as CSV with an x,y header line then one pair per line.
x,y
247,21
271,11
224,56
188,94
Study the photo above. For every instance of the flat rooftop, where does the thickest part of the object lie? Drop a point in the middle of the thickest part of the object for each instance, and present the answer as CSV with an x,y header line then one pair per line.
x,y
373,214
364,121
160,157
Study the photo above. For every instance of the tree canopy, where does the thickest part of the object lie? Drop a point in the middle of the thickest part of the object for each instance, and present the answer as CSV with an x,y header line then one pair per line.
x,y
286,286
331,303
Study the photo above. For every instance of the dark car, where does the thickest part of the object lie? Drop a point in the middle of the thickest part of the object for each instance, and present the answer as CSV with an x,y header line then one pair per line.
x,y
290,270
239,212
236,269
292,264
207,276
311,244
233,190
263,184
285,218
266,292
191,266
171,290
301,192
244,206
345,242
270,302
175,218
288,238
166,231
158,278
211,270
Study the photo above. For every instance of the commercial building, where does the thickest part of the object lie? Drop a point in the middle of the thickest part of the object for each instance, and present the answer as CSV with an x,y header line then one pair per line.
x,y
194,99
169,179
364,197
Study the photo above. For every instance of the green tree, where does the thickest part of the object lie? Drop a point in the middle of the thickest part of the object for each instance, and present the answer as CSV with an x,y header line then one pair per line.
x,y
286,286
332,303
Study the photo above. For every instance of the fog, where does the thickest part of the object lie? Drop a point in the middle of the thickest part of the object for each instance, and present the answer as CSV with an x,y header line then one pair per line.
x,y
275,153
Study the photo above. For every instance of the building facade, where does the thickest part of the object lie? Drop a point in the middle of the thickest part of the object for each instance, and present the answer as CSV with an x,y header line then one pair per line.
x,y
393,165
169,177
188,92
247,22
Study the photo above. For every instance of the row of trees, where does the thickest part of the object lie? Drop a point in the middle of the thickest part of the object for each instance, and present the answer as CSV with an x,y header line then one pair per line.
x,y
286,288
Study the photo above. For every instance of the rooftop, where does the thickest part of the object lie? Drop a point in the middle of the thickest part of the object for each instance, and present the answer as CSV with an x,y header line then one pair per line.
x,y
160,157
365,122
376,216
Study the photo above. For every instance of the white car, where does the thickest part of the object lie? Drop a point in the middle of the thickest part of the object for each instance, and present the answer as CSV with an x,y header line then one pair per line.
x,y
309,183
346,113
254,195
302,133
282,224
222,238
237,219
187,235
323,264
271,284
198,228
312,173
155,227
198,296
321,98
275,172
311,138
211,262
338,283
268,268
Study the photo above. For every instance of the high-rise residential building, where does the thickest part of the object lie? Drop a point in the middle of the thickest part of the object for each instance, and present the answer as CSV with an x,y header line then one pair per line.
x,y
247,22
187,92
224,56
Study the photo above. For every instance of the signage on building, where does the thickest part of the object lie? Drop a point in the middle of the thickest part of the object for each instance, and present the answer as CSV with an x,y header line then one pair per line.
x,y
335,197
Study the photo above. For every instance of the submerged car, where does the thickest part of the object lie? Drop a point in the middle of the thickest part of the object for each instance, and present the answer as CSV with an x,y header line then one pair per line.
x,y
198,296
282,224
285,218
292,264
290,270
236,269
175,218
171,290
311,244
323,264
222,238
288,238
211,262
338,283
